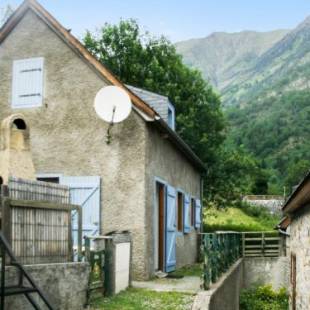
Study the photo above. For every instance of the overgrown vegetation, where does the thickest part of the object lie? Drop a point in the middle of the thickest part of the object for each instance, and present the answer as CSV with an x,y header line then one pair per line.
x,y
140,299
242,217
264,298
278,134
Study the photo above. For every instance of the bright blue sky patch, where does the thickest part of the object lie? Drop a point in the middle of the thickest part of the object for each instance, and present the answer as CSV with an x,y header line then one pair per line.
x,y
179,19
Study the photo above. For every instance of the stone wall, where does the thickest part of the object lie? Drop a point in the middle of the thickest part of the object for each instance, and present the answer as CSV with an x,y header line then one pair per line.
x,y
68,138
270,202
299,245
64,285
167,164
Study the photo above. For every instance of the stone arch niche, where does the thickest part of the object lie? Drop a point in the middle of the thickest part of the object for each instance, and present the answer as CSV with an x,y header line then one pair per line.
x,y
15,151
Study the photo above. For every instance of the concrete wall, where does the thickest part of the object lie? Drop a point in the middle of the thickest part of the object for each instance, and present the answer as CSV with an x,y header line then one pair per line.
x,y
225,293
167,164
266,270
65,286
299,245
246,272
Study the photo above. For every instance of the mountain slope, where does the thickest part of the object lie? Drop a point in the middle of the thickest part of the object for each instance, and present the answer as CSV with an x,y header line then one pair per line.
x,y
284,67
267,102
223,56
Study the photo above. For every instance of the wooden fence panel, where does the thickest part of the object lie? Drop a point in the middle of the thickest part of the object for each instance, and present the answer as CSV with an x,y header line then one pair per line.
x,y
258,244
40,235
36,220
21,189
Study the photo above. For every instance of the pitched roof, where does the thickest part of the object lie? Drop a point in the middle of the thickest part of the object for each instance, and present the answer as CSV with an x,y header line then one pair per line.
x,y
284,223
79,49
74,43
151,98
300,196
158,102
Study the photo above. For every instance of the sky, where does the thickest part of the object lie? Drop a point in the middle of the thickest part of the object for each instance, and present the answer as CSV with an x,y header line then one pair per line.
x,y
178,19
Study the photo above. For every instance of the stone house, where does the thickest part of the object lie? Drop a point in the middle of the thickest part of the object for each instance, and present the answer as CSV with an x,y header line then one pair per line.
x,y
147,181
297,224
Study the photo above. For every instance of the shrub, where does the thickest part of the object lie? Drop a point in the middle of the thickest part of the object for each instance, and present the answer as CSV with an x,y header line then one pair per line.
x,y
264,298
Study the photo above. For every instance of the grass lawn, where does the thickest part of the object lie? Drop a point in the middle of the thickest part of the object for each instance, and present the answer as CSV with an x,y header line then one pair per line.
x,y
140,299
237,220
190,270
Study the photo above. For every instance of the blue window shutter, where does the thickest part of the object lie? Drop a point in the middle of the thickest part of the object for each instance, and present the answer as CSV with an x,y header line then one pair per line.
x,y
198,214
27,83
186,216
170,230
85,192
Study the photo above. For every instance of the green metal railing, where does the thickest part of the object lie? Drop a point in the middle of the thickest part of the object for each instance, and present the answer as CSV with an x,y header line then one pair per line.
x,y
220,251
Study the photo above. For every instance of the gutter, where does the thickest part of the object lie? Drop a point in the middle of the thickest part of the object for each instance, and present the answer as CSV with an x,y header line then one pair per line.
x,y
282,232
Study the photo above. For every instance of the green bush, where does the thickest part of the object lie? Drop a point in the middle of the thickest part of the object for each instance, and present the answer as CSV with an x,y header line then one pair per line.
x,y
264,298
241,218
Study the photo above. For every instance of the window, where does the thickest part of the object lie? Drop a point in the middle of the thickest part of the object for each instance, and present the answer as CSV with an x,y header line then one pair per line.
x,y
180,203
171,116
49,180
27,83
193,207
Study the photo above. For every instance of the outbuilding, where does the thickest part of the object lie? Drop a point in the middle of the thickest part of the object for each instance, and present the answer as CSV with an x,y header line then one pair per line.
x,y
147,181
297,224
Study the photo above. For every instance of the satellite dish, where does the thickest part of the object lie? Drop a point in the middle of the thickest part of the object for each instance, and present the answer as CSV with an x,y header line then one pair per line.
x,y
112,104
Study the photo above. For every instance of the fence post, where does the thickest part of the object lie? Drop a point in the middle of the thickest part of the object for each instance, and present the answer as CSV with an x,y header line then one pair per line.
x,y
206,249
80,223
6,218
243,244
263,244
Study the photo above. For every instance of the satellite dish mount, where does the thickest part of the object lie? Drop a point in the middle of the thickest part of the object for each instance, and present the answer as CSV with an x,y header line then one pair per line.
x,y
113,105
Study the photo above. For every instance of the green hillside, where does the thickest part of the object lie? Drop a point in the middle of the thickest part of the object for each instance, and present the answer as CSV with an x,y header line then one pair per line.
x,y
266,96
238,219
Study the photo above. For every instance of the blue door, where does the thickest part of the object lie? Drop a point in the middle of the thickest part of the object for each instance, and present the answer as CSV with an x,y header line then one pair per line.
x,y
85,192
170,230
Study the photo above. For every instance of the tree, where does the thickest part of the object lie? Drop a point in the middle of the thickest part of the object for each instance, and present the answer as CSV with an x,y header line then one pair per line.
x,y
144,61
296,172
152,63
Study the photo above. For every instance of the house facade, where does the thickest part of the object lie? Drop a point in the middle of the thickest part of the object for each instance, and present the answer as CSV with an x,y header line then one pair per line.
x,y
147,181
297,224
